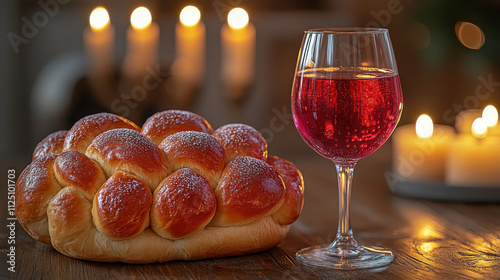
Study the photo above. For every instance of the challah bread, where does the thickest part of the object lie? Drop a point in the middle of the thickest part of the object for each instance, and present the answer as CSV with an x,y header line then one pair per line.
x,y
176,190
241,140
196,150
86,129
163,124
70,163
121,207
172,214
52,144
35,187
294,190
128,150
248,190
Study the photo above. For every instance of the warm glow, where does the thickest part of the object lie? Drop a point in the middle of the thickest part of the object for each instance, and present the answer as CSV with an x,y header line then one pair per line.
x,y
484,250
490,115
428,232
424,126
190,16
99,18
427,247
140,18
479,128
470,35
237,18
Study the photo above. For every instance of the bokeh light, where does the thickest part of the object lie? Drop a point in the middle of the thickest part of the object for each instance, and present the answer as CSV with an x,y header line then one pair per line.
x,y
140,18
237,18
479,128
99,18
190,16
490,115
470,35
424,126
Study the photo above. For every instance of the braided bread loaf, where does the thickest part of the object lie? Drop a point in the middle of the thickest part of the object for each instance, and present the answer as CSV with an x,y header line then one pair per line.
x,y
109,191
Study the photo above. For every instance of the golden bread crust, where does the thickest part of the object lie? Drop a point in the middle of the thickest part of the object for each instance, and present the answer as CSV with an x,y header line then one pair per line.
x,y
104,191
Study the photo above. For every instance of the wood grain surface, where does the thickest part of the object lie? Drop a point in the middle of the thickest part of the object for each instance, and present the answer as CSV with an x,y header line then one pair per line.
x,y
431,240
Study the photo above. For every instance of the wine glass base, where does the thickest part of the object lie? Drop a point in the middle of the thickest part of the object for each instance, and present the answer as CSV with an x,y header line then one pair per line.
x,y
360,257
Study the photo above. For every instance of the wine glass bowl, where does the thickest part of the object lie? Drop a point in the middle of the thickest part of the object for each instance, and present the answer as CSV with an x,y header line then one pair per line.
x,y
344,114
346,102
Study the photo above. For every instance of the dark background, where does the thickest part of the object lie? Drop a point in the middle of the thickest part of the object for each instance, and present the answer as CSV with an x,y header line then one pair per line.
x,y
439,74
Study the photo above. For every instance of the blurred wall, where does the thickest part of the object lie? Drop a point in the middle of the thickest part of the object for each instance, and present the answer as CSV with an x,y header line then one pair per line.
x,y
11,98
440,76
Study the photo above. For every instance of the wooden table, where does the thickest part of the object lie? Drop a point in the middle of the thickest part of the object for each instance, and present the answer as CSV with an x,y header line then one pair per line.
x,y
431,240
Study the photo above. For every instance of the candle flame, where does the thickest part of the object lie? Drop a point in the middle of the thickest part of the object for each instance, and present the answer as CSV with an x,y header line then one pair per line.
x,y
479,128
140,18
237,18
190,16
424,126
99,18
490,115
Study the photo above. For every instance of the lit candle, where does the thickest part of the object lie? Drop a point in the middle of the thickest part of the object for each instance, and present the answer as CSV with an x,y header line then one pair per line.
x,y
188,68
190,35
490,116
474,159
464,120
99,39
419,151
238,53
142,44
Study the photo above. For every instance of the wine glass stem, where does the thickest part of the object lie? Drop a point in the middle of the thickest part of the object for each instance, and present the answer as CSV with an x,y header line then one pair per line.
x,y
344,174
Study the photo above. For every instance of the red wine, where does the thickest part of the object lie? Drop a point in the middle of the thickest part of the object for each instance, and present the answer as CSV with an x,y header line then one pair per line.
x,y
345,115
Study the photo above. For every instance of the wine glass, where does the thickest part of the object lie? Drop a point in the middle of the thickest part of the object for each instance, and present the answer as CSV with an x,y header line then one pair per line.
x,y
346,102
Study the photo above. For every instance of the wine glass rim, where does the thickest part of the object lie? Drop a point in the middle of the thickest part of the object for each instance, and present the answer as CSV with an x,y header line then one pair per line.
x,y
346,30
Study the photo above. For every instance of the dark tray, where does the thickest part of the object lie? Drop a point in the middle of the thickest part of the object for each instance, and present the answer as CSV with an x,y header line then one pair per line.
x,y
442,192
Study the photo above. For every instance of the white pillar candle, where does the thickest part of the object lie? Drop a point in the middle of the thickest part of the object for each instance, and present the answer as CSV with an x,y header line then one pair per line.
x,y
99,39
190,39
419,151
142,44
238,53
474,159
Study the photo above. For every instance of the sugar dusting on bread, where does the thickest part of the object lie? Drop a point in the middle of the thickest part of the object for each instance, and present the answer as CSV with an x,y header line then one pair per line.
x,y
247,169
164,120
187,182
87,128
200,141
166,123
52,144
121,207
183,204
129,146
241,140
222,199
249,190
